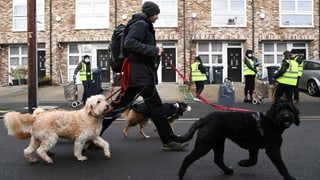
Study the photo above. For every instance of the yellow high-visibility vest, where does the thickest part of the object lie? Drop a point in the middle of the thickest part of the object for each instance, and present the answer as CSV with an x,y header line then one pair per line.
x,y
83,72
290,77
246,69
196,75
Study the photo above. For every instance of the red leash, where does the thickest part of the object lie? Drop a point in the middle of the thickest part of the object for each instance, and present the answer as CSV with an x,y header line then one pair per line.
x,y
202,98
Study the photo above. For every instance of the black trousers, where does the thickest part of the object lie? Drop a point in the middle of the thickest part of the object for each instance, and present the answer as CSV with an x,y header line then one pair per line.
x,y
154,103
86,86
296,91
283,88
249,85
199,86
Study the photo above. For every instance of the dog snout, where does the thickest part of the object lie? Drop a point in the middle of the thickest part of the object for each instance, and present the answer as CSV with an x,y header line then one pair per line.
x,y
108,110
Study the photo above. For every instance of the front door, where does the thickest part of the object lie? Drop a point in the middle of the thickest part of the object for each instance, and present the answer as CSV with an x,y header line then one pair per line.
x,y
41,64
168,58
103,59
234,64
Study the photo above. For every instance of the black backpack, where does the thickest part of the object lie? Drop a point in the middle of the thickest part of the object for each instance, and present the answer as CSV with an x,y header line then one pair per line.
x,y
118,53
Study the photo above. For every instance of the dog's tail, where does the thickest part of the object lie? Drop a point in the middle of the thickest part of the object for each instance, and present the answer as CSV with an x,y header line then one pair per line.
x,y
189,135
19,125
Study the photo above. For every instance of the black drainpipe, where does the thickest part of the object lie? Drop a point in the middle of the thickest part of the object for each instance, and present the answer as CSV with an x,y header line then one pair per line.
x,y
253,25
115,13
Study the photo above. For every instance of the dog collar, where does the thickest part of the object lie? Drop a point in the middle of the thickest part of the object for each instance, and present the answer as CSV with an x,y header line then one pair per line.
x,y
256,116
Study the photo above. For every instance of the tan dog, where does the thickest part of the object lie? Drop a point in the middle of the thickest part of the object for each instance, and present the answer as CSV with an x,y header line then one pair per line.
x,y
47,126
139,114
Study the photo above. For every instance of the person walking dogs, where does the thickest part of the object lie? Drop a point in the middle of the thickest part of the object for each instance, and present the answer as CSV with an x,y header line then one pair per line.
x,y
144,59
198,76
249,72
286,77
85,76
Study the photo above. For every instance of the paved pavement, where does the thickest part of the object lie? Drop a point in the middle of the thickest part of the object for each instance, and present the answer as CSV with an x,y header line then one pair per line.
x,y
169,92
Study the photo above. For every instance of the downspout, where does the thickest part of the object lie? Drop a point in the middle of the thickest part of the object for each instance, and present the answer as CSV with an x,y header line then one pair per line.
x,y
50,29
252,24
115,13
184,38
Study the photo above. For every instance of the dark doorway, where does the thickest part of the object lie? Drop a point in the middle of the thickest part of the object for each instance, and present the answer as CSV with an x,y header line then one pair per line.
x,y
299,51
41,64
234,64
103,59
168,58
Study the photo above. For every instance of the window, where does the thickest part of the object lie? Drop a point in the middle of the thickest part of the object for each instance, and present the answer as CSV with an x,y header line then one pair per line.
x,y
226,13
210,52
168,16
311,66
296,13
273,52
18,56
92,14
20,15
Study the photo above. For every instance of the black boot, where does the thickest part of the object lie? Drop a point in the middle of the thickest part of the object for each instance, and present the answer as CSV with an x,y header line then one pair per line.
x,y
246,100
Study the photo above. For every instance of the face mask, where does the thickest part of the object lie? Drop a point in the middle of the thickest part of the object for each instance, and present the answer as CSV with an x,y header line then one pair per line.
x,y
249,55
86,60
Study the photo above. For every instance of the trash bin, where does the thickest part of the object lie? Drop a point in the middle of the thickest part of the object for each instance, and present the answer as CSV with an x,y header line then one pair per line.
x,y
207,74
217,74
95,87
271,71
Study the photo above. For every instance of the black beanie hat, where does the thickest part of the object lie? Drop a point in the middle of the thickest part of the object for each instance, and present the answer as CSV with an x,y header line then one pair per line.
x,y
198,58
150,8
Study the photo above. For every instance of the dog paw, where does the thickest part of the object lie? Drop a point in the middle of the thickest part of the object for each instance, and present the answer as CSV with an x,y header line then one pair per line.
x,y
146,137
228,171
247,163
82,158
107,154
49,161
289,178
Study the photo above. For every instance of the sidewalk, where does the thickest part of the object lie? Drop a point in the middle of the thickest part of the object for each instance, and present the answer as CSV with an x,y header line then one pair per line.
x,y
167,91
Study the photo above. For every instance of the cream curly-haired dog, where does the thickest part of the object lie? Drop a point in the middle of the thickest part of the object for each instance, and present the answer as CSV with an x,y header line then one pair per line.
x,y
46,127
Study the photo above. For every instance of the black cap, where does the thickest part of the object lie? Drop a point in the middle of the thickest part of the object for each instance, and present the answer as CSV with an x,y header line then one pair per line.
x,y
198,58
150,8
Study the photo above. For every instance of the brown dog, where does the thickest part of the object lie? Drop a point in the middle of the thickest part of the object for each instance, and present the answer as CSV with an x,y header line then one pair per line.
x,y
47,126
139,114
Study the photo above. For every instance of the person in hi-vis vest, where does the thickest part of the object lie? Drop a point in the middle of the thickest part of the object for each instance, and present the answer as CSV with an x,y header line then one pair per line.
x,y
249,73
85,72
198,76
286,77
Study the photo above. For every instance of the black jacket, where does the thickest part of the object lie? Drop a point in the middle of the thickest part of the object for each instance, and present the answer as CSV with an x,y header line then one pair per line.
x,y
140,44
282,70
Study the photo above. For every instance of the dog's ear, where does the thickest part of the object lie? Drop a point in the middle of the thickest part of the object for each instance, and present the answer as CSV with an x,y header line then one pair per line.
x,y
296,113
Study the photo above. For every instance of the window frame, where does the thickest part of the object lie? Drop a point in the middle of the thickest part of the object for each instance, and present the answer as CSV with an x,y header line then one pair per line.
x,y
92,20
23,16
295,12
163,20
231,16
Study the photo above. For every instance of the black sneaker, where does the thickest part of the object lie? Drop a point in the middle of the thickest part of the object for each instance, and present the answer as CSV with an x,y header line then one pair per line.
x,y
174,146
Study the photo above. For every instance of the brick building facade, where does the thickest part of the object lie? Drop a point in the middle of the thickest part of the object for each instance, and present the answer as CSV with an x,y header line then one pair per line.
x,y
62,42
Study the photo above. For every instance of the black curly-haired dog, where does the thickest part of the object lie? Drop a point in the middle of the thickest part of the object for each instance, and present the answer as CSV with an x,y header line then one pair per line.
x,y
140,114
250,130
